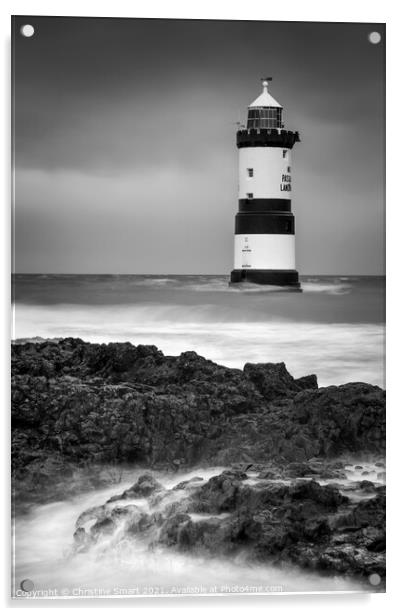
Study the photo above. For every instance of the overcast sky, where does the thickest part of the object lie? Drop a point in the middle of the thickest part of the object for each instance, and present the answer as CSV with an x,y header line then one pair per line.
x,y
125,142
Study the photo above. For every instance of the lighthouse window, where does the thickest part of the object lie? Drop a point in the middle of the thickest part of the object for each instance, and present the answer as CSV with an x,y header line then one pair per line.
x,y
264,117
289,169
284,152
250,173
250,195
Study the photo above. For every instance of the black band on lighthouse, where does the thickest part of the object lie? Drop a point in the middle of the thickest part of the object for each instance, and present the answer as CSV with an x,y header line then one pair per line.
x,y
266,137
258,223
265,205
289,278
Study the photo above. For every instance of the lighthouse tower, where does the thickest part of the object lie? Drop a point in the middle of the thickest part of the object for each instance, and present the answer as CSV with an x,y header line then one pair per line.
x,y
264,226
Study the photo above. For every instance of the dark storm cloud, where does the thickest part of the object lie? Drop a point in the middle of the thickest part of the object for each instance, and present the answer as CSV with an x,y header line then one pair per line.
x,y
133,117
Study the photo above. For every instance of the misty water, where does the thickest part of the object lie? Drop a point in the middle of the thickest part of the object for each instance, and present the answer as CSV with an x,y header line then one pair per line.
x,y
335,329
120,565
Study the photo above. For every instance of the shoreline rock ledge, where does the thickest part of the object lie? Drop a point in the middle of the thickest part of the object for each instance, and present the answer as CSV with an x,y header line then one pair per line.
x,y
78,406
302,523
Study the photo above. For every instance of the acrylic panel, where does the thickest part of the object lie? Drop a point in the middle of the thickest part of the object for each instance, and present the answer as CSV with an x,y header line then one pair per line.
x,y
198,400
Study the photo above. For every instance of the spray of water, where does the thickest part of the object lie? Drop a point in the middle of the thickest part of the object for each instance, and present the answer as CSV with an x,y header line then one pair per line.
x,y
131,564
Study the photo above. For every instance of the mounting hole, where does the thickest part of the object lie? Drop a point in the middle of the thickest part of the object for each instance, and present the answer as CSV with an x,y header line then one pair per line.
x,y
27,30
374,37
27,585
374,579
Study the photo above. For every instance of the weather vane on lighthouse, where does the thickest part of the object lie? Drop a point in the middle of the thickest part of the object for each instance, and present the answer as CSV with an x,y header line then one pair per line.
x,y
264,224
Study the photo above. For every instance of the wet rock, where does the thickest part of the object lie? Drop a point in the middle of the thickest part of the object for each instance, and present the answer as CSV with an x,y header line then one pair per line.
x,y
170,530
128,520
367,486
220,493
211,536
329,473
378,544
367,513
270,474
188,483
93,513
350,559
247,467
82,540
105,526
300,469
144,487
324,495
299,522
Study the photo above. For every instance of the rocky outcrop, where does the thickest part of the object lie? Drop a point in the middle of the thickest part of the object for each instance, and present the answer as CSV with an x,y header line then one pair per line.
x,y
145,486
274,381
301,522
77,405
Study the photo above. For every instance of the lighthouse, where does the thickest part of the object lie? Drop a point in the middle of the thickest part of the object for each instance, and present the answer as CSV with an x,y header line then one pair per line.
x,y
264,251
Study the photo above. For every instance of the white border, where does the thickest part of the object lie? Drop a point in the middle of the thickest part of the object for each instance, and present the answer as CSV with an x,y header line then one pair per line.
x,y
308,10
291,10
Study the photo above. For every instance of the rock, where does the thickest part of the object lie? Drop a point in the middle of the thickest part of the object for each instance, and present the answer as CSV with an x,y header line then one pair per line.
x,y
170,530
209,536
378,544
307,382
304,523
82,540
270,474
369,512
94,513
273,380
188,483
129,520
144,487
244,468
78,406
323,495
348,559
367,486
219,494
300,469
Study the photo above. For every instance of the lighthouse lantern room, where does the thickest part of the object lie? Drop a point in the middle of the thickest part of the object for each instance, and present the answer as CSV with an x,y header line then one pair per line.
x,y
264,250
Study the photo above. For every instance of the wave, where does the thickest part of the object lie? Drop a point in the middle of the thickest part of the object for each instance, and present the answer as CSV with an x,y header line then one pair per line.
x,y
156,282
43,541
328,288
336,352
220,284
24,283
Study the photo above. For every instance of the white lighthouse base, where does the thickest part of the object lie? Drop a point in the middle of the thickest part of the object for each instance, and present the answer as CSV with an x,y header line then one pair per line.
x,y
271,251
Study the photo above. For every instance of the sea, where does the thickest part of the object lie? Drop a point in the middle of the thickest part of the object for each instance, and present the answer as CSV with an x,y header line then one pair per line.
x,y
334,328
